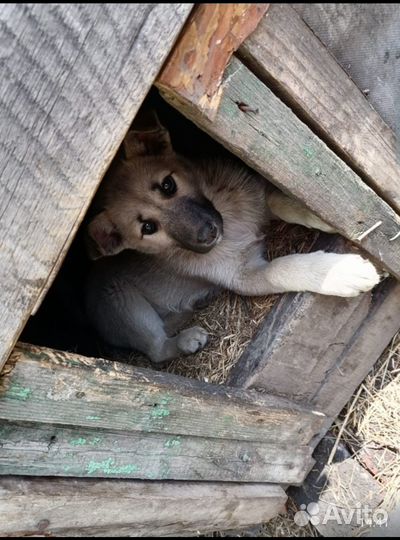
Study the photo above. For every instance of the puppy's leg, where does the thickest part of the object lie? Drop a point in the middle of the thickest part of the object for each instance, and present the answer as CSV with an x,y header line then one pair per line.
x,y
292,211
127,319
324,273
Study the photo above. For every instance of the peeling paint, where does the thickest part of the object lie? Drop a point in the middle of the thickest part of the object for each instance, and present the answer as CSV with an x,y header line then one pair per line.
x,y
95,441
108,466
16,391
173,442
160,410
78,442
81,441
93,418
308,152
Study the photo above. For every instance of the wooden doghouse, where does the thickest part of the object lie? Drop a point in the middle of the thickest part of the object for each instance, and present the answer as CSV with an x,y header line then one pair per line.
x,y
192,456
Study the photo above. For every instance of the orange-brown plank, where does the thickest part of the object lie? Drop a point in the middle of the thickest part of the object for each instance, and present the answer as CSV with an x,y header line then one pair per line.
x,y
212,35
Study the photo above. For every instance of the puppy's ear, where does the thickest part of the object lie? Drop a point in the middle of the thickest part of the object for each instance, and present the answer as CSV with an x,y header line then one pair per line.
x,y
103,238
147,137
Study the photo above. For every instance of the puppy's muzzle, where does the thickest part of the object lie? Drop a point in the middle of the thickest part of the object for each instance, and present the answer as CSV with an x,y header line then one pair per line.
x,y
208,233
196,224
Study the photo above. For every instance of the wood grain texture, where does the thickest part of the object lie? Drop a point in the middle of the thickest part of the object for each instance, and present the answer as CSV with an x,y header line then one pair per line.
x,y
269,137
360,354
288,56
63,389
74,76
316,350
86,507
213,32
43,450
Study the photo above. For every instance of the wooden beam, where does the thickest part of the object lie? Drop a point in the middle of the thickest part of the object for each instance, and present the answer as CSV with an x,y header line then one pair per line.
x,y
67,415
69,507
45,450
74,76
255,125
360,354
212,33
51,387
285,54
327,343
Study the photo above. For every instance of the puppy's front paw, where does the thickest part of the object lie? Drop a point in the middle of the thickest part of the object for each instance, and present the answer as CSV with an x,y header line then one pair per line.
x,y
349,275
192,340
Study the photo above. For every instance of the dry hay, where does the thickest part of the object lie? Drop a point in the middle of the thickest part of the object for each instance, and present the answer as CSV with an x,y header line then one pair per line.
x,y
284,526
370,423
231,321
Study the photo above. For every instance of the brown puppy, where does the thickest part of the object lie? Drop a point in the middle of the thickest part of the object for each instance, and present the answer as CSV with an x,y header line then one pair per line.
x,y
171,233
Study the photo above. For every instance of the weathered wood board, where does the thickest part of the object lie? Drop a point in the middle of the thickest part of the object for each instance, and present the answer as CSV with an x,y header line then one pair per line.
x,y
62,414
327,343
212,34
255,125
74,76
86,507
58,388
288,57
360,354
42,450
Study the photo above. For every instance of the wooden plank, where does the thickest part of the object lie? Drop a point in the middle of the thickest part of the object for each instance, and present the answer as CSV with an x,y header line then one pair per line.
x,y
212,34
42,450
287,56
256,126
74,76
329,344
68,507
360,354
51,387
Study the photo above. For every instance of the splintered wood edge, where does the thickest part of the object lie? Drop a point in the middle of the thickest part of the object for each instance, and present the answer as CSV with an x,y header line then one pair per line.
x,y
197,64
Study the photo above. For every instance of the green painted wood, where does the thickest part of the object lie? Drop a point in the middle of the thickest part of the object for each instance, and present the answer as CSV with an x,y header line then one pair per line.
x,y
42,450
269,137
285,53
50,387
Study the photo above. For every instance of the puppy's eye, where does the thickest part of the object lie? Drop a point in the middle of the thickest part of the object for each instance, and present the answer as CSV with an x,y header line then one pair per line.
x,y
168,186
149,227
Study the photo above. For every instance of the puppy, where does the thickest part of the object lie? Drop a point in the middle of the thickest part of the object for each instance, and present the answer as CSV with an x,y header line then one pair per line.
x,y
171,233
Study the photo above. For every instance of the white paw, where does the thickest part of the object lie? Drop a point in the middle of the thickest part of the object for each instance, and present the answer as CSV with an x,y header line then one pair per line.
x,y
192,340
348,275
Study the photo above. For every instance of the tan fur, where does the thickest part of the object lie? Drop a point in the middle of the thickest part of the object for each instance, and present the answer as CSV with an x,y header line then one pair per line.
x,y
140,298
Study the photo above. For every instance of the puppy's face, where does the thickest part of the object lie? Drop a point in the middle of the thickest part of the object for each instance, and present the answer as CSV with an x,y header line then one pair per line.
x,y
152,203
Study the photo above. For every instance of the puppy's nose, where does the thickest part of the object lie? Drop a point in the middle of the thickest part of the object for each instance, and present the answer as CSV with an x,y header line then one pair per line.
x,y
208,233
